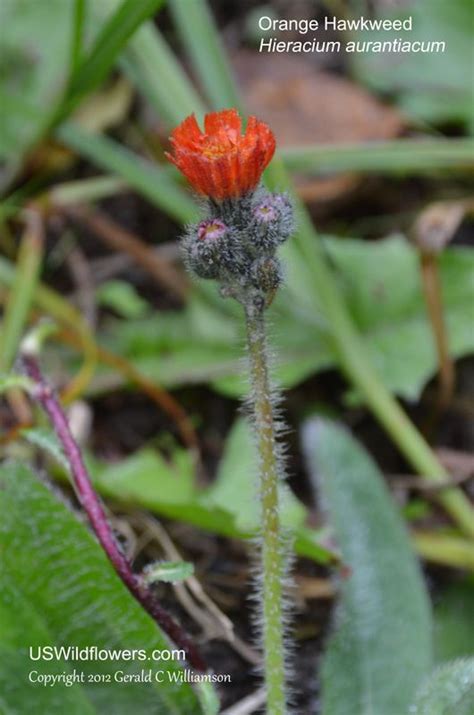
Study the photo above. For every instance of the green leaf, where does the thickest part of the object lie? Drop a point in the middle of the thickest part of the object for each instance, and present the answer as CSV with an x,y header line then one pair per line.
x,y
235,489
147,474
168,571
449,691
454,621
123,298
11,381
390,314
59,589
428,85
167,487
381,646
45,439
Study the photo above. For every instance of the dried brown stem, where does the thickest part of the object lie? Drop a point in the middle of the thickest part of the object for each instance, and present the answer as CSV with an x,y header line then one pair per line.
x,y
434,303
122,240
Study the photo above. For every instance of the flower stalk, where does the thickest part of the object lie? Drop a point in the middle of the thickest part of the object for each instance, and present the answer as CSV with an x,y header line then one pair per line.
x,y
236,244
272,557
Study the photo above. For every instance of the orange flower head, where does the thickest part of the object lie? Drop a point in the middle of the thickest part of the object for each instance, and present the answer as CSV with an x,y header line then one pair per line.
x,y
221,162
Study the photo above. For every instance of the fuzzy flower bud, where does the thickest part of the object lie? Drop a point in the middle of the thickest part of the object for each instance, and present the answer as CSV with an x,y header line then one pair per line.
x,y
266,275
202,247
272,222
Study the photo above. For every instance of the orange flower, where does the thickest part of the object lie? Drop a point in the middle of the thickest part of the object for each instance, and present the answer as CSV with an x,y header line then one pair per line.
x,y
221,162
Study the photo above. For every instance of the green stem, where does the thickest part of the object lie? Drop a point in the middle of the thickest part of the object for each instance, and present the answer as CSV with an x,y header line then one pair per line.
x,y
22,288
273,567
445,549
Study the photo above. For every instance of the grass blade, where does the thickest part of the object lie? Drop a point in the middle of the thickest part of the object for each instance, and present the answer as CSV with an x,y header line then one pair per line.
x,y
195,25
403,155
149,179
110,41
77,35
153,68
22,289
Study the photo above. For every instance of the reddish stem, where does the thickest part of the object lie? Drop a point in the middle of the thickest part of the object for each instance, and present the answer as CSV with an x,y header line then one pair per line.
x,y
92,506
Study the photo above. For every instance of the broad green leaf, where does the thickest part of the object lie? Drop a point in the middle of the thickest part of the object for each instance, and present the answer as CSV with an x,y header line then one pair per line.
x,y
449,691
148,474
381,646
428,85
59,589
390,314
168,488
454,621
235,489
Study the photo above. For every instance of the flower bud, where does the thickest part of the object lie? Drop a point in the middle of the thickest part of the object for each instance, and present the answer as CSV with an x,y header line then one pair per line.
x,y
203,247
283,205
272,222
266,275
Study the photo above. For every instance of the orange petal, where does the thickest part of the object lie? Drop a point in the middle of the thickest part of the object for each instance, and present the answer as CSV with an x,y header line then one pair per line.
x,y
187,132
227,120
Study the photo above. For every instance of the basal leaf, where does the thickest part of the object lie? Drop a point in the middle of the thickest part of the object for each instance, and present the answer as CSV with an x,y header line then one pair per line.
x,y
58,589
428,85
449,691
236,486
381,645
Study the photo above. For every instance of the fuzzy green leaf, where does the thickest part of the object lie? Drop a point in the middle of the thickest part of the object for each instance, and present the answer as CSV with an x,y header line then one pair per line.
x,y
449,691
58,588
381,645
427,85
168,571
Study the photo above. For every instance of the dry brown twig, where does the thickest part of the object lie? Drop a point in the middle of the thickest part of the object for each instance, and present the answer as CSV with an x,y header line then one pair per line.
x,y
123,240
194,599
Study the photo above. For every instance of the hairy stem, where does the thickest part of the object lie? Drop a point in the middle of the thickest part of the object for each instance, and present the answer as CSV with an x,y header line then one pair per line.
x,y
97,517
272,558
